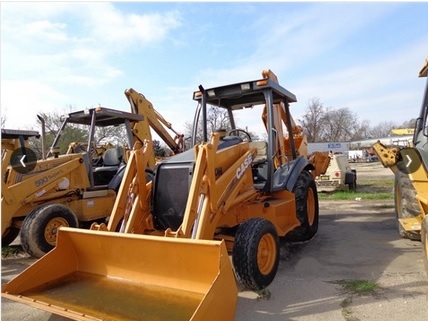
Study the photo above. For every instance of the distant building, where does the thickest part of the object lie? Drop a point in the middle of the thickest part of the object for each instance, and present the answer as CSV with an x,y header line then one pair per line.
x,y
387,141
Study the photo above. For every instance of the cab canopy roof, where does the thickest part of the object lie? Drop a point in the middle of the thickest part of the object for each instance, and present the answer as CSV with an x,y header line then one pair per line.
x,y
245,94
103,117
16,133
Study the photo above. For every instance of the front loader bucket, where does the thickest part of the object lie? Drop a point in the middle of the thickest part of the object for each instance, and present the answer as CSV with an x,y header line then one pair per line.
x,y
98,275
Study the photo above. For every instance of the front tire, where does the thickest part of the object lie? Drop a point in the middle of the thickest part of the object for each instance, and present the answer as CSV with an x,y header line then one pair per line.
x,y
256,253
406,205
40,227
307,210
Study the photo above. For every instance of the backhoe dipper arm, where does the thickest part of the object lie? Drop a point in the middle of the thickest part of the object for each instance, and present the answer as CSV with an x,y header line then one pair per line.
x,y
294,142
140,105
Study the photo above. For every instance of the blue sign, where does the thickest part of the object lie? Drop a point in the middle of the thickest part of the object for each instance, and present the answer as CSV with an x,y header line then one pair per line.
x,y
334,145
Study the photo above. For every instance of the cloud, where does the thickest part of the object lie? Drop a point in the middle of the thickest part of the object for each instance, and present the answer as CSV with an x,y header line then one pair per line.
x,y
314,52
97,29
85,53
50,47
124,30
21,101
291,43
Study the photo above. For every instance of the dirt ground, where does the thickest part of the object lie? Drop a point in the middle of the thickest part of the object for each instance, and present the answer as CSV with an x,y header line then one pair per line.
x,y
371,171
357,240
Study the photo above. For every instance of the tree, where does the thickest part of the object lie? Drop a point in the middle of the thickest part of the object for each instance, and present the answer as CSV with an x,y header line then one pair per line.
x,y
313,120
114,135
382,129
160,150
71,133
217,118
408,124
363,131
339,125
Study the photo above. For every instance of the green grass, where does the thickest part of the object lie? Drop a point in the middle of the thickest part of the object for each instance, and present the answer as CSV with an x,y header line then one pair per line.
x,y
351,288
360,287
11,250
366,190
350,195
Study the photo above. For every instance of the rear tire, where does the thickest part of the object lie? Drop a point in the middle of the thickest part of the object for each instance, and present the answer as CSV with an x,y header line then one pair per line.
x,y
40,227
256,253
307,210
406,205
9,235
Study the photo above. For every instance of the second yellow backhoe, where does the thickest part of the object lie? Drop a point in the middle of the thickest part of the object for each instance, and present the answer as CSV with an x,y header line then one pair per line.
x,y
164,254
77,187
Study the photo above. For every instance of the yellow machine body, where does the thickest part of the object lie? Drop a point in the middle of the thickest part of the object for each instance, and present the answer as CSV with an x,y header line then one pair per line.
x,y
165,252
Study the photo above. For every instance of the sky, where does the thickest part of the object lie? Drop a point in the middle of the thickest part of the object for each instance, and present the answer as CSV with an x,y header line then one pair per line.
x,y
68,56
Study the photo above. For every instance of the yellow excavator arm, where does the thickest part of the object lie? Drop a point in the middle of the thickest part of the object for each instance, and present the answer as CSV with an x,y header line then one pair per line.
x,y
152,119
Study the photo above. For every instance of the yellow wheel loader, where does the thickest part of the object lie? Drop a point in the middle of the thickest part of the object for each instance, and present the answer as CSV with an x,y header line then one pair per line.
x,y
164,254
410,165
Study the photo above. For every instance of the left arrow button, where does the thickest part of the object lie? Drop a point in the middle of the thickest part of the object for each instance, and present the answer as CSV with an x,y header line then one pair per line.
x,y
22,160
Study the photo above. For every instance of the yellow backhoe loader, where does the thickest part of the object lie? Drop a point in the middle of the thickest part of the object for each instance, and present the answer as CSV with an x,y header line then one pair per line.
x,y
164,254
77,188
410,165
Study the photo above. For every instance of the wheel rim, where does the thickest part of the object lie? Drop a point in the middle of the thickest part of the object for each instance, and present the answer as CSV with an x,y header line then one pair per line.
x,y
52,229
310,206
266,254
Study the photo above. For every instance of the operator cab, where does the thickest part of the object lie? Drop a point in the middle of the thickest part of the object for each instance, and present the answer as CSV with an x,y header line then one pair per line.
x,y
276,156
275,167
101,171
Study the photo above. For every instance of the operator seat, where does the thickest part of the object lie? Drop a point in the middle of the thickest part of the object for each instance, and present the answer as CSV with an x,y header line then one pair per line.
x,y
261,151
259,164
112,159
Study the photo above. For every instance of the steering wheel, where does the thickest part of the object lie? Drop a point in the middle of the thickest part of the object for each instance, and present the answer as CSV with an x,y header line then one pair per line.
x,y
239,132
